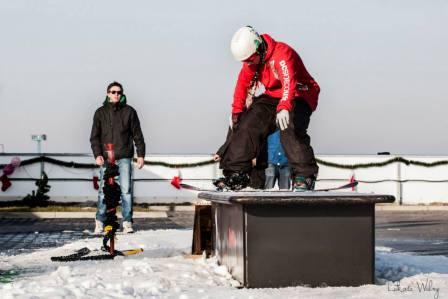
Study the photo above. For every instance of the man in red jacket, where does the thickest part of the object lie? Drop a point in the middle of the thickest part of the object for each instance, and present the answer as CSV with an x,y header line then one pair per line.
x,y
290,96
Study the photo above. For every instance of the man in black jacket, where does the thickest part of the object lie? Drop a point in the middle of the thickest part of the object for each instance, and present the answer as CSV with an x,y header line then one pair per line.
x,y
117,123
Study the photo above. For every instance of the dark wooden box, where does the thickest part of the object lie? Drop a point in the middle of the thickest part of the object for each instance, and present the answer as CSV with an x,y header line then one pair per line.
x,y
280,239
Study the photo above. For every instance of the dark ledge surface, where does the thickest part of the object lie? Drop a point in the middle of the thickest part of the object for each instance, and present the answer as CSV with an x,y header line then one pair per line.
x,y
299,198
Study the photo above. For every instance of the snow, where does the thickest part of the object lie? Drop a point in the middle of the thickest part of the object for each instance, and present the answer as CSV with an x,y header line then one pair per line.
x,y
165,270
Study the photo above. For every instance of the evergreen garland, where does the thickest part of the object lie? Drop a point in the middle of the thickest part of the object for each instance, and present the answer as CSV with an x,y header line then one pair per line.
x,y
384,163
72,164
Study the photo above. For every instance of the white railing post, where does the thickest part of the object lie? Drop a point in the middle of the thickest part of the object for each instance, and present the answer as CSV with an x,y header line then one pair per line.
x,y
399,195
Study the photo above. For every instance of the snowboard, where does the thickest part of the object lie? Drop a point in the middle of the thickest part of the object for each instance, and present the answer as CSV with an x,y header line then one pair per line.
x,y
85,254
195,188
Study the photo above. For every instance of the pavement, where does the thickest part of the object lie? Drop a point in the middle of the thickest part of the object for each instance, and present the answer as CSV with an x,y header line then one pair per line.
x,y
422,231
75,215
24,232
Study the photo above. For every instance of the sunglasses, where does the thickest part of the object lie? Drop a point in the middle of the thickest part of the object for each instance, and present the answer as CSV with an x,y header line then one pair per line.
x,y
119,92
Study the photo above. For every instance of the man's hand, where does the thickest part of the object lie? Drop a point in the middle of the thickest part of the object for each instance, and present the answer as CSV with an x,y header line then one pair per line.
x,y
283,119
216,157
140,162
99,161
234,118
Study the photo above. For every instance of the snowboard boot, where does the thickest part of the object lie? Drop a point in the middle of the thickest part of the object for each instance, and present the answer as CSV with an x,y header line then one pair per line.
x,y
234,181
302,183
220,184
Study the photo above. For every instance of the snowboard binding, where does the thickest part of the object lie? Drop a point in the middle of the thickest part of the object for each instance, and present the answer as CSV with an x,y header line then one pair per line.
x,y
234,181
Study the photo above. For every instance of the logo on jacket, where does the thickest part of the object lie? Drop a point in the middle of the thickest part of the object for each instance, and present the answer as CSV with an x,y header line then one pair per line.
x,y
286,86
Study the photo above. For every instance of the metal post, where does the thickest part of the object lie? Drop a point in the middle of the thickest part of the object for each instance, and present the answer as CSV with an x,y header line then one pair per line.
x,y
399,185
39,139
39,150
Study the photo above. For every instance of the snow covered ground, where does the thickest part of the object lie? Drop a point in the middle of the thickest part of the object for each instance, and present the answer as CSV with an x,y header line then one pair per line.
x,y
164,270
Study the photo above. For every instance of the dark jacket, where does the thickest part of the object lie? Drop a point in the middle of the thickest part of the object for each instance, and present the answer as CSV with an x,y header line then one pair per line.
x,y
117,124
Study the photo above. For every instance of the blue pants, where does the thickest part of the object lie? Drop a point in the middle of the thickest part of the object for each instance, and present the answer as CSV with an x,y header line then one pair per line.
x,y
280,173
125,181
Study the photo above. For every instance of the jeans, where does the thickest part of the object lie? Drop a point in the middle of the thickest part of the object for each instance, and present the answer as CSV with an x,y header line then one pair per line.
x,y
282,173
125,181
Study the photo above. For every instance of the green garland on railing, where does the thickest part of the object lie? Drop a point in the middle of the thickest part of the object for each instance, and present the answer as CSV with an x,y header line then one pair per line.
x,y
72,164
179,165
384,163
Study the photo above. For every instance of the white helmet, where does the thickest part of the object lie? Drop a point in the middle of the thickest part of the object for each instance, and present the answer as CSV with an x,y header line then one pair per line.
x,y
244,43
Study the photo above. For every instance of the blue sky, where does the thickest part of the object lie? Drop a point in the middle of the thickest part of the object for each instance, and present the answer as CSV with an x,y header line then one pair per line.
x,y
381,66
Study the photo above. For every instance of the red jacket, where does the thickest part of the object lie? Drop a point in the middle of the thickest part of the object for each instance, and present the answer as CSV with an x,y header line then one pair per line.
x,y
283,75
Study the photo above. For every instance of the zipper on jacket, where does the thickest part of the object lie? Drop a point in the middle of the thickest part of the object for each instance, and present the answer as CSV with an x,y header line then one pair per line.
x,y
111,110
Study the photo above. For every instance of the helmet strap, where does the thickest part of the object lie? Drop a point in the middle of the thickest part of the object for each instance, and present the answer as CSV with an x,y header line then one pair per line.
x,y
261,51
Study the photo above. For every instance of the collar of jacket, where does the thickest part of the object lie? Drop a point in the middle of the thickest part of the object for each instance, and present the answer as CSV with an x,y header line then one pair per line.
x,y
120,104
270,45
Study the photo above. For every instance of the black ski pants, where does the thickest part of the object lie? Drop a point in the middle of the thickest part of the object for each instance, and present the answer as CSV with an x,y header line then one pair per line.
x,y
249,135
